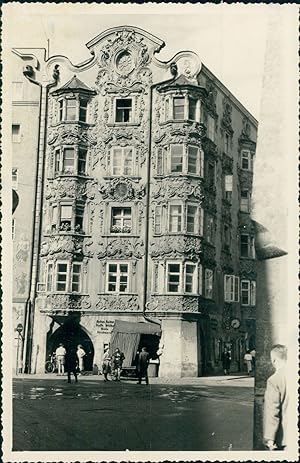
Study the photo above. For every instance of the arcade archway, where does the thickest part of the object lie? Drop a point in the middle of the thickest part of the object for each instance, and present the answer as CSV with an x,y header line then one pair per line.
x,y
70,334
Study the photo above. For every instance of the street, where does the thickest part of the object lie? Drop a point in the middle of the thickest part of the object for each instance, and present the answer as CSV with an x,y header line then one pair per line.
x,y
200,414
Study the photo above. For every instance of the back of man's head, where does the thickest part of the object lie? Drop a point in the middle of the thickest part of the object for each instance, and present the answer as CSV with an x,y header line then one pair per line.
x,y
278,354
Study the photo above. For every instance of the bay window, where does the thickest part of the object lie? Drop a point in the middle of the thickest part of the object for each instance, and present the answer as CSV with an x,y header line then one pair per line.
x,y
70,160
186,159
185,218
182,107
231,288
181,277
67,217
118,277
175,218
64,277
248,292
72,109
178,108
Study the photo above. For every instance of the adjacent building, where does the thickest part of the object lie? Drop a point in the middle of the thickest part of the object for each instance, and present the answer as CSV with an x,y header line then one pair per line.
x,y
135,180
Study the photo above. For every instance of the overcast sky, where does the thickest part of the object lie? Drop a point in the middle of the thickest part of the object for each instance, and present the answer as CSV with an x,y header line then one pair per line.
x,y
229,39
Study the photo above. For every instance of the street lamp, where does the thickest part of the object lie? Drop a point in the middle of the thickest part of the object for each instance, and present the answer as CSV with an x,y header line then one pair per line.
x,y
19,330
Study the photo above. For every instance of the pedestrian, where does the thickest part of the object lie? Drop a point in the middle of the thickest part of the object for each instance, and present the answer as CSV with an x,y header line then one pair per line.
x,y
117,362
276,401
106,363
142,367
226,360
60,354
80,354
253,353
248,361
71,364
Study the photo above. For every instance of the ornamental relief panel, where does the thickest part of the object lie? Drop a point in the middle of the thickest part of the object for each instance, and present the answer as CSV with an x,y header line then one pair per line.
x,y
211,99
65,245
121,248
174,187
118,303
226,262
176,246
227,164
245,135
208,255
70,135
73,188
227,114
67,302
122,189
183,133
209,147
173,304
227,316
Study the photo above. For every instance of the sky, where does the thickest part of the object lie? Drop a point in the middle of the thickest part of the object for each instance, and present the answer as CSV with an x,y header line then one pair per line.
x,y
229,39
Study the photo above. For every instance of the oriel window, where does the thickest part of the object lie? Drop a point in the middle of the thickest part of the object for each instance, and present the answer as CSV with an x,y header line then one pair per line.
x,y
178,108
71,109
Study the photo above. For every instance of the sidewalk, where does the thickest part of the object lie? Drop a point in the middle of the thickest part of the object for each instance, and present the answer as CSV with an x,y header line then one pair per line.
x,y
237,379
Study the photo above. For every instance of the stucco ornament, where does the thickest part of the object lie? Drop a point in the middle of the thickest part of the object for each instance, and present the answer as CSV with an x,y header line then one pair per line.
x,y
118,303
70,136
122,189
227,112
122,248
165,303
67,302
64,245
177,188
176,246
246,130
211,99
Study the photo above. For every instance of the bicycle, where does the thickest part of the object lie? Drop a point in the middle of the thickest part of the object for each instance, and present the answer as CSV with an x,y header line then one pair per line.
x,y
50,365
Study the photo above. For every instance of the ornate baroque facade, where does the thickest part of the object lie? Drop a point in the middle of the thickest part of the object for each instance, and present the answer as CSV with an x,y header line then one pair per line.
x,y
143,210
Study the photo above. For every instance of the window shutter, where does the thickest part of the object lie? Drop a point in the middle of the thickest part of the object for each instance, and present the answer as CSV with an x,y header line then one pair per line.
x,y
236,289
200,281
157,220
201,155
200,212
159,161
253,293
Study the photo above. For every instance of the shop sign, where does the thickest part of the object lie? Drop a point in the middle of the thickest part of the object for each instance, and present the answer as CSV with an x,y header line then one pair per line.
x,y
104,326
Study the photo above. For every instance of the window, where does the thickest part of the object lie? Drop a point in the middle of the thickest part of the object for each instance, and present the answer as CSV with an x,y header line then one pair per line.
x,y
231,288
158,220
185,218
123,110
61,110
79,212
228,187
248,292
185,159
247,246
14,178
210,174
122,161
181,277
245,203
17,91
68,161
175,218
54,218
121,220
13,229
178,108
65,217
208,284
82,156
71,109
67,277
192,109
160,161
83,110
118,276
210,229
210,127
16,133
246,160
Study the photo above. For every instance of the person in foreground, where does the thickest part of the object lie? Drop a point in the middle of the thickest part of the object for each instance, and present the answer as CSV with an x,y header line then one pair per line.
x,y
276,401
117,362
142,366
71,364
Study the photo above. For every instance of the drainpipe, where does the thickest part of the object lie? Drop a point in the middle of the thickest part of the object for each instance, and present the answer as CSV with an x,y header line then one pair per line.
x,y
37,219
144,302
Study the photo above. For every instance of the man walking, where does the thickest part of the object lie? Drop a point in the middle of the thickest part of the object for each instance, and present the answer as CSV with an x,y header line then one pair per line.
x,y
60,354
276,401
143,362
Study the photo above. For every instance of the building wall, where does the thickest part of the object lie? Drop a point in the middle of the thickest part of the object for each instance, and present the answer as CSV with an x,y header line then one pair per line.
x,y
204,322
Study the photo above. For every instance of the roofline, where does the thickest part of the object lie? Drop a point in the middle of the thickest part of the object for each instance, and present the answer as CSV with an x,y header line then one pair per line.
x,y
160,43
227,92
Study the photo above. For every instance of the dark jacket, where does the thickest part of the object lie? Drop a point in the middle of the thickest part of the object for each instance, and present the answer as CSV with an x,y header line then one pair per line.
x,y
71,360
143,362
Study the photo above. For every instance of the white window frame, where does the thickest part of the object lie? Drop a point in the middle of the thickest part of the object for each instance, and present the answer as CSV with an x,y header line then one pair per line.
x,y
231,288
250,246
196,287
16,138
59,160
169,262
247,155
118,263
123,150
194,278
245,202
251,292
198,218
169,107
122,217
170,206
208,283
62,108
185,159
69,277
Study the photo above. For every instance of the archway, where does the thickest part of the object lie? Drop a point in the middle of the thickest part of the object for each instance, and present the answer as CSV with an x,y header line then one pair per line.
x,y
70,334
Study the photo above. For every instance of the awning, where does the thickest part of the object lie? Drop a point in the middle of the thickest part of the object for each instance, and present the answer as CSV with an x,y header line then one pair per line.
x,y
141,328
